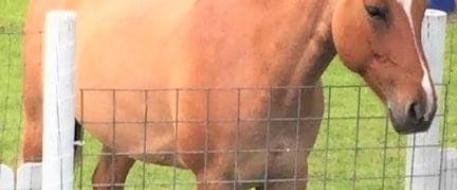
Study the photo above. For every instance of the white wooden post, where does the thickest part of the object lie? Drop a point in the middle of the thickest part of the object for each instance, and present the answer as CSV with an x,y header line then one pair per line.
x,y
28,176
58,100
449,178
424,158
6,178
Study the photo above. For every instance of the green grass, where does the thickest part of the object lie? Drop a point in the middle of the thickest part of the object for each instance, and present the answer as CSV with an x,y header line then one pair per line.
x,y
346,148
11,15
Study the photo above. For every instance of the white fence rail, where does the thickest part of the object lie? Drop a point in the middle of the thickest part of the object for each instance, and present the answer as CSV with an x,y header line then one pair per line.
x,y
57,166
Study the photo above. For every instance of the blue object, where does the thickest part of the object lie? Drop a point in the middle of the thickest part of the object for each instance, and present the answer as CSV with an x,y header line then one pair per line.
x,y
444,5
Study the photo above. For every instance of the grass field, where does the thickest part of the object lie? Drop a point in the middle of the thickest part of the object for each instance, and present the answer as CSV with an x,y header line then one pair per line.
x,y
354,156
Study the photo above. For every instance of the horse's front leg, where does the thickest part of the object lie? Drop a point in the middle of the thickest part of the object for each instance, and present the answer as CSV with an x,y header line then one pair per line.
x,y
111,171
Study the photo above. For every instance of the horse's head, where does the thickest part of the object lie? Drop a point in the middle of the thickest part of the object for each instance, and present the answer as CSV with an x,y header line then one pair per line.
x,y
381,40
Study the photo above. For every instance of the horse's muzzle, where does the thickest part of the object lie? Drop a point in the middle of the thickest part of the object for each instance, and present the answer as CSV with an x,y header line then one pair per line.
x,y
413,119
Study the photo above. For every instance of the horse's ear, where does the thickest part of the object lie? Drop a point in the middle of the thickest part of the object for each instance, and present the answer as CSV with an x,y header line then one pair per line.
x,y
349,31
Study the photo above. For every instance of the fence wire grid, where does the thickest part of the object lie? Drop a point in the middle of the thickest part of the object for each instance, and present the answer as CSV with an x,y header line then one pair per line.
x,y
356,146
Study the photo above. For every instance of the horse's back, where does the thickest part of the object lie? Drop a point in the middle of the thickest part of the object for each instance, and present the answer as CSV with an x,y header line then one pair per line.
x,y
115,38
121,44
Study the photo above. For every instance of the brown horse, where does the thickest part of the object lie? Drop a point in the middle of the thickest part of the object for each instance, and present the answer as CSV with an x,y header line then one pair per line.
x,y
198,46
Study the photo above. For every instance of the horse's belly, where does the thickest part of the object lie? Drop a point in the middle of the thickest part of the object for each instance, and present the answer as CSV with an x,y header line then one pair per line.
x,y
152,143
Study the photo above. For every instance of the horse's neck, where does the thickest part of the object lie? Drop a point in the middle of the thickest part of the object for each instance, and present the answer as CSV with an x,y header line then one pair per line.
x,y
315,43
318,52
304,38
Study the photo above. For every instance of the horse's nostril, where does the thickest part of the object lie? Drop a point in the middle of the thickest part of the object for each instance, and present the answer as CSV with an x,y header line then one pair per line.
x,y
416,113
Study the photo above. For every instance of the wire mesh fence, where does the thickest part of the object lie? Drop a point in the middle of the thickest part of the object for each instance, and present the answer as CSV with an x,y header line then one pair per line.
x,y
356,146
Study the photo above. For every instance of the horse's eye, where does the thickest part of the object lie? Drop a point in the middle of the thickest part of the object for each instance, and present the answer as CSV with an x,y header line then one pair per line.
x,y
376,12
